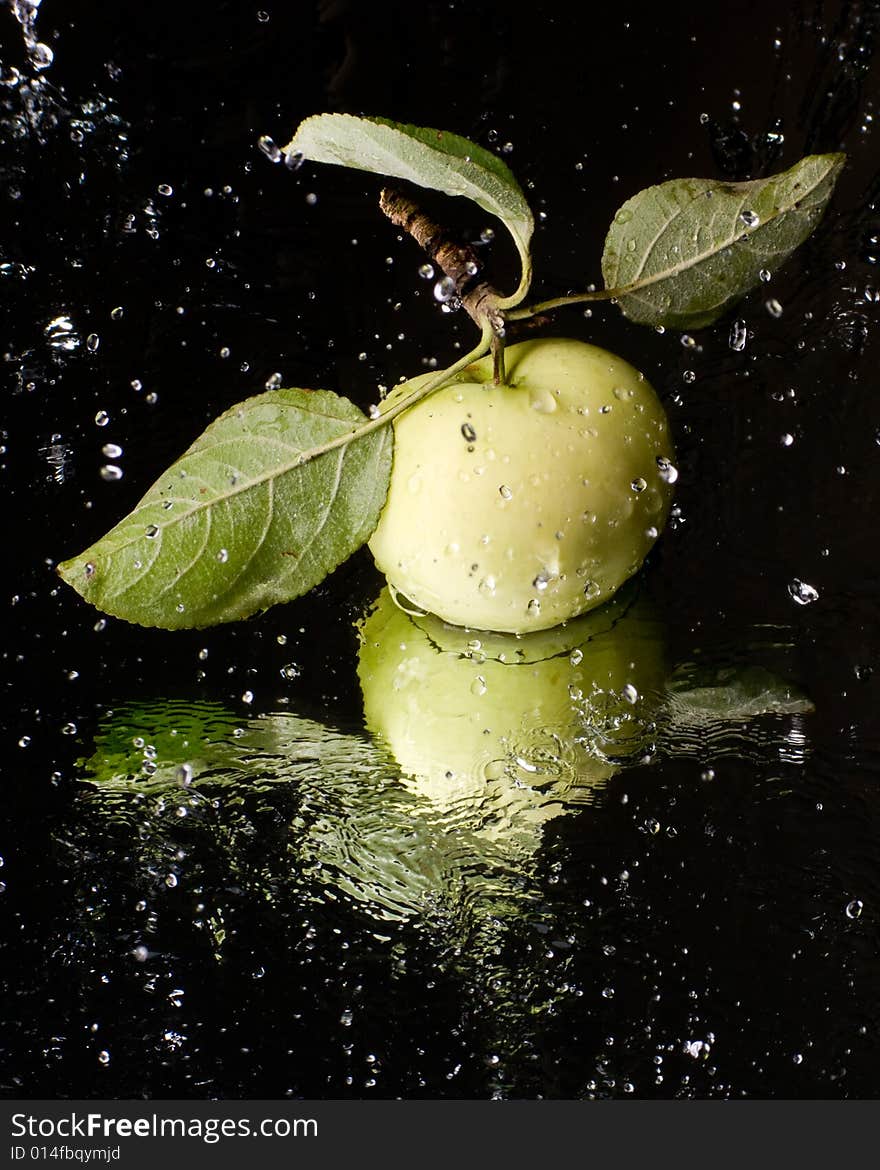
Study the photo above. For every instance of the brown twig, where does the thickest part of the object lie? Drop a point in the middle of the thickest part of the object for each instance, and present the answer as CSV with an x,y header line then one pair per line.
x,y
457,261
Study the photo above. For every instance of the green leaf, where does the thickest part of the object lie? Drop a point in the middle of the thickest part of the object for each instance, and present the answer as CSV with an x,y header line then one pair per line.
x,y
271,498
429,158
682,252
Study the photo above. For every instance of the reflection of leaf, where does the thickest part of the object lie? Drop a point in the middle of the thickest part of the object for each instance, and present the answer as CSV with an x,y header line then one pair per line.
x,y
248,517
732,695
687,249
430,158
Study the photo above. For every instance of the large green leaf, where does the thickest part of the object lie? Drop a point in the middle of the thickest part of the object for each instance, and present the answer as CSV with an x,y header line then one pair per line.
x,y
684,251
254,513
430,158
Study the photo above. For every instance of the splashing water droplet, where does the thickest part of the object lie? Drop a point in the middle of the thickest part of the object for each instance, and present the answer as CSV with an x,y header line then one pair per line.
x,y
668,472
773,307
468,433
110,473
269,149
738,336
444,289
111,450
102,418
426,271
630,693
750,218
802,593
854,908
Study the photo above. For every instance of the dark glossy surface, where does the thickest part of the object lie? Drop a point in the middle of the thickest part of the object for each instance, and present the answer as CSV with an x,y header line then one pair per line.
x,y
703,924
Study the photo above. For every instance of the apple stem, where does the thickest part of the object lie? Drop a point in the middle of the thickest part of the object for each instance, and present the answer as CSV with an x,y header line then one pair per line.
x,y
457,261
499,376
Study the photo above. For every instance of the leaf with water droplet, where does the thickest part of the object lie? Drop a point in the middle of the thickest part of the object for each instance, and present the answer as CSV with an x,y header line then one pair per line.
x,y
274,495
429,158
700,245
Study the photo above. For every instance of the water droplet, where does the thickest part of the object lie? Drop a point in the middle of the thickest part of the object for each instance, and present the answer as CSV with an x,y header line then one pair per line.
x,y
872,295
184,775
171,880
542,399
223,555
444,289
111,450
638,485
738,336
273,382
468,433
140,954
104,1057
773,307
294,159
24,741
136,384
542,580
487,235
576,657
707,774
765,276
117,314
102,418
478,686
426,271
630,693
608,993
786,440
290,671
111,473
592,590
40,54
165,189
68,729
247,697
802,593
151,530
269,149
750,218
668,472
687,341
854,908
653,826
311,199
505,492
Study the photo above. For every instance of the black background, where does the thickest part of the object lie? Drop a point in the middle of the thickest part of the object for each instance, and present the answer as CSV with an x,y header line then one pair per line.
x,y
736,926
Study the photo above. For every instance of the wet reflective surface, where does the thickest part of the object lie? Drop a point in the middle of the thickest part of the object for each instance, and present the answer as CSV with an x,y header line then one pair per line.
x,y
336,851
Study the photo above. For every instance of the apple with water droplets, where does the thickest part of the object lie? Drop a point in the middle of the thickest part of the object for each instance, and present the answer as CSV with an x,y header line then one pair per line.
x,y
519,506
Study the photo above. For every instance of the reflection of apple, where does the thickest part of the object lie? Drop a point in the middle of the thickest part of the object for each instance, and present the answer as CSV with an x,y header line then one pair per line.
x,y
498,729
518,507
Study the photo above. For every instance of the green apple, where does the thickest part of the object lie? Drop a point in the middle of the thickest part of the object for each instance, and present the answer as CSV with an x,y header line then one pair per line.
x,y
517,507
501,732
